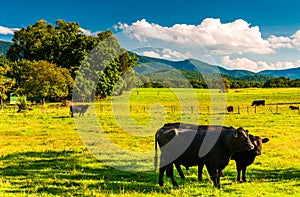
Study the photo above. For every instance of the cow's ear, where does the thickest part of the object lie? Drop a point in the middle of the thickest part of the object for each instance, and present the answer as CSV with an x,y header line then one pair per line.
x,y
265,140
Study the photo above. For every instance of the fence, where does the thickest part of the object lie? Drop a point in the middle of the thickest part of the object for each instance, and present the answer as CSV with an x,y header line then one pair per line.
x,y
239,109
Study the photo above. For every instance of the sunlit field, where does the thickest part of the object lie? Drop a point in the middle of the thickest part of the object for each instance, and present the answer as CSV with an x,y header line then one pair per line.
x,y
43,151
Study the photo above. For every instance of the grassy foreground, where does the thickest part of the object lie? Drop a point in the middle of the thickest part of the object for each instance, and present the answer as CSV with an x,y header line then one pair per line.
x,y
42,152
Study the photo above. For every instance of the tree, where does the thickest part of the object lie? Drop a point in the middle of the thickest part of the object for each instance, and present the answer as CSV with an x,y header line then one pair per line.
x,y
101,70
5,83
64,44
41,78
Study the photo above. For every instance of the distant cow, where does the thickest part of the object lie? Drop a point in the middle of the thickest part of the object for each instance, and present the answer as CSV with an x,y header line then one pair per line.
x,y
294,107
81,109
258,103
229,142
242,159
230,109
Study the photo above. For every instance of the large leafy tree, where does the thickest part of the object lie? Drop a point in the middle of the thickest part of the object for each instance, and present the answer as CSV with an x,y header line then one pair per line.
x,y
66,46
5,83
101,70
41,78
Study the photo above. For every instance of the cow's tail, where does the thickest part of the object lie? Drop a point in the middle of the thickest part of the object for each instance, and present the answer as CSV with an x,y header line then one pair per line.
x,y
156,155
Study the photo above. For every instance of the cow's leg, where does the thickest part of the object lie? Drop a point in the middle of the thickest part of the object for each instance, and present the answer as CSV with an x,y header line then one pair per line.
x,y
219,177
200,171
161,175
170,174
179,170
244,173
238,169
213,173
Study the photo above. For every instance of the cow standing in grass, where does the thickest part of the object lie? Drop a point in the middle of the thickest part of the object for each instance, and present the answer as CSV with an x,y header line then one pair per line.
x,y
81,109
229,142
258,103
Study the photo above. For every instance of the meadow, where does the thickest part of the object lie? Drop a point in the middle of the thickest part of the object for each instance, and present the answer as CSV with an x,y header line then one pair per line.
x,y
44,152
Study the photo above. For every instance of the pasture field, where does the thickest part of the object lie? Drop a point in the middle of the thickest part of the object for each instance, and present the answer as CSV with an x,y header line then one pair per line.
x,y
42,152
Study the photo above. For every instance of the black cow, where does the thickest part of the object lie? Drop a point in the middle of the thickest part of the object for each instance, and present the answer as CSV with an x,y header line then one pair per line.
x,y
258,103
246,158
294,107
230,109
229,141
81,109
242,159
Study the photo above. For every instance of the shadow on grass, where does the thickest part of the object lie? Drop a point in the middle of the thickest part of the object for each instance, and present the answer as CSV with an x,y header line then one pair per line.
x,y
60,173
77,173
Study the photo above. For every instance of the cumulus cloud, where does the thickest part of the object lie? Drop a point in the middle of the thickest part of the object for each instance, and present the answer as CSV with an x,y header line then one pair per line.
x,y
247,64
296,39
7,30
151,54
88,32
280,42
286,41
165,53
220,38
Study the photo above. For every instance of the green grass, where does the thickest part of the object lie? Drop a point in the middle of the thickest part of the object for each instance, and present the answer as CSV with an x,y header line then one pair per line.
x,y
42,152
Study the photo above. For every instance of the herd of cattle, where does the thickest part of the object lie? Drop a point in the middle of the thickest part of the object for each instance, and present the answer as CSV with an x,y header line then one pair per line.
x,y
181,144
258,103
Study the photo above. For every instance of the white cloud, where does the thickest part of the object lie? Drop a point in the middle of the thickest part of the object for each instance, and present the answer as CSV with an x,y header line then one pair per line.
x,y
228,38
151,54
7,30
280,42
176,54
247,64
165,53
296,39
86,32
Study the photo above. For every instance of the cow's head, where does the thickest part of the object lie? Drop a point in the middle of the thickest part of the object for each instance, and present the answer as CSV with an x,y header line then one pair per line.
x,y
257,142
241,141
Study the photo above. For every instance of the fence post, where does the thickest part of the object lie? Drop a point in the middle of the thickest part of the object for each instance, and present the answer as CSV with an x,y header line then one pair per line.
x,y
255,109
239,110
277,109
248,110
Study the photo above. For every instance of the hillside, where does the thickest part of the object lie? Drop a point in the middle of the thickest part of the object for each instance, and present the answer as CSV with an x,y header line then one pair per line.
x,y
4,46
148,65
293,73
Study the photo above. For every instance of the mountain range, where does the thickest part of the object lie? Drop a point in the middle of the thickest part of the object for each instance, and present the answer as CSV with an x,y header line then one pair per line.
x,y
149,65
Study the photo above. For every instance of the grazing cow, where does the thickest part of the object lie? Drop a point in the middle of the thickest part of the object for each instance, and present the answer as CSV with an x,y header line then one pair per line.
x,y
258,103
242,159
229,142
294,107
81,109
230,109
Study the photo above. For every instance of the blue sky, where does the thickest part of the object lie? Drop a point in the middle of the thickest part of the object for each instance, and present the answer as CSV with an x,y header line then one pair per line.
x,y
253,35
